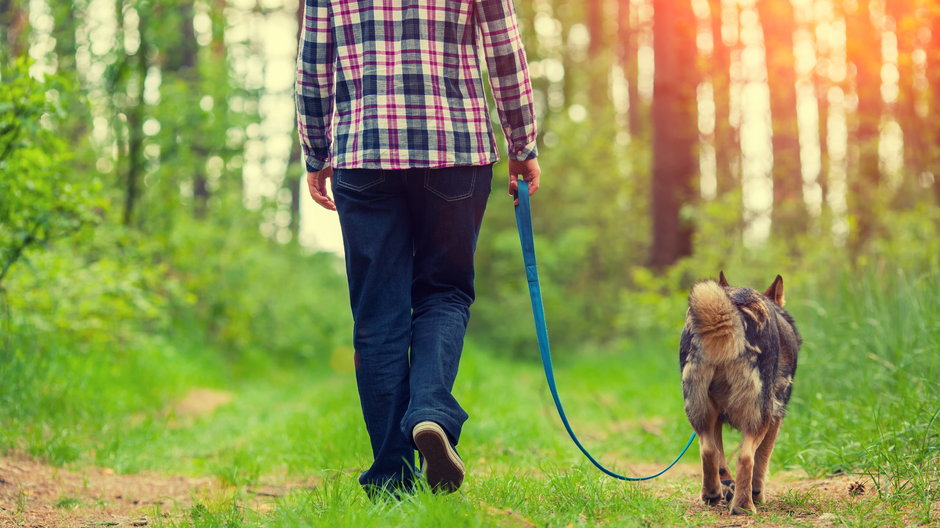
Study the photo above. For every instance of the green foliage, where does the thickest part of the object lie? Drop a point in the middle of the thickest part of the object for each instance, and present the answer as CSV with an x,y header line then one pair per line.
x,y
591,227
255,298
40,199
597,289
117,323
107,327
866,396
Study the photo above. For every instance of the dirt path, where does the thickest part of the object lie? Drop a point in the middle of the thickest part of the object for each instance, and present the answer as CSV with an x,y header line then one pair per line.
x,y
790,495
34,495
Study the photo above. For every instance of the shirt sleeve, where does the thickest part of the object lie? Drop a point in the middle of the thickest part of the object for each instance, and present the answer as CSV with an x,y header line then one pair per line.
x,y
314,84
509,75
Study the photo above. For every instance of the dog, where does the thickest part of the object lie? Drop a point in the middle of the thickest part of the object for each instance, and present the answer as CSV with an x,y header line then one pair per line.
x,y
737,356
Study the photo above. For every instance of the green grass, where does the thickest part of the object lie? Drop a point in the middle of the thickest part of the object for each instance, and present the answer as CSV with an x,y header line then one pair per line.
x,y
866,403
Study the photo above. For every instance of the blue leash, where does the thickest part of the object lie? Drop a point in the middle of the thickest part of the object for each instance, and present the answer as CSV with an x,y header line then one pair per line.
x,y
524,222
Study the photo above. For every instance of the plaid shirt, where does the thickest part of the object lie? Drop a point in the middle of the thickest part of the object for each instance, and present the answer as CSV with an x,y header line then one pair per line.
x,y
404,77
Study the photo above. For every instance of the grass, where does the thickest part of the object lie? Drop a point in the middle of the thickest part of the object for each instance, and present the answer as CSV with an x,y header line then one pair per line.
x,y
866,404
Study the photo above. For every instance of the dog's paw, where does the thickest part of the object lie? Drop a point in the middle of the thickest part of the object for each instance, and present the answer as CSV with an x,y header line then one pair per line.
x,y
757,496
711,499
727,490
742,509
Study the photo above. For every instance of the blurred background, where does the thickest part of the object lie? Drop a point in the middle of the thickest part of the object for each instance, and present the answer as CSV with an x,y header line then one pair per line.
x,y
155,231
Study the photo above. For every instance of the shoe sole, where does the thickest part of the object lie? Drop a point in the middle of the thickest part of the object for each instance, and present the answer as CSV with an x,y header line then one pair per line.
x,y
443,466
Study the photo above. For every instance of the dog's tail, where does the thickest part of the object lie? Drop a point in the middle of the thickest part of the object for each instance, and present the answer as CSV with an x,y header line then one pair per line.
x,y
716,322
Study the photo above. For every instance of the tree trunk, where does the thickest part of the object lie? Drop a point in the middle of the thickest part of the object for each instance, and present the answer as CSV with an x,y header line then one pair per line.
x,y
66,17
933,78
564,14
863,51
595,23
14,27
675,129
721,88
777,20
598,64
906,28
182,58
628,49
822,84
189,58
135,133
291,181
63,31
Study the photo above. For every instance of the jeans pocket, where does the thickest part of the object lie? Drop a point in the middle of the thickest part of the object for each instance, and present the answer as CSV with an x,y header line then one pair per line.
x,y
451,183
358,179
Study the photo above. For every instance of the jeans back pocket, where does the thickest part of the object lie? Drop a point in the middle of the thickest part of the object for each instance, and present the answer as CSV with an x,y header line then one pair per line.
x,y
358,179
451,183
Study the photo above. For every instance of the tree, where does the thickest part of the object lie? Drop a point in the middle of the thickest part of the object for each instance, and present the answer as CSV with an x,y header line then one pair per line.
x,y
42,199
863,51
778,25
14,23
129,71
906,26
675,129
292,181
628,58
598,61
821,85
933,75
724,135
182,63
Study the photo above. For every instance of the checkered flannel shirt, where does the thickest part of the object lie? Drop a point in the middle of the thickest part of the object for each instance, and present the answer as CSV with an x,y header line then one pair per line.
x,y
405,79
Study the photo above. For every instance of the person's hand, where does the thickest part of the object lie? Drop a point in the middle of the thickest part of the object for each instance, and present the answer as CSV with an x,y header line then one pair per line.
x,y
316,182
530,172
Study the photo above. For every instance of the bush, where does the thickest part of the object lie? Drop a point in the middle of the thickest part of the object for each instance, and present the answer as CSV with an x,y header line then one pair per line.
x,y
40,200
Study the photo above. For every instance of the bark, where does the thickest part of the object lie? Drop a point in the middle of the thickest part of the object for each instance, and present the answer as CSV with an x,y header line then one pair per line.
x,y
292,182
63,30
933,76
595,23
14,25
905,23
788,207
721,86
66,16
188,69
135,133
675,129
822,85
598,66
564,15
863,51
180,57
628,49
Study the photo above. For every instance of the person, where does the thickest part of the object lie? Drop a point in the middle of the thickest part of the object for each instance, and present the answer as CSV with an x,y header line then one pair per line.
x,y
391,107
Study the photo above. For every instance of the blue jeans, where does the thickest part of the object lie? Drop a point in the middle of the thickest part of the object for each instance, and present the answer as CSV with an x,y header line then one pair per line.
x,y
409,237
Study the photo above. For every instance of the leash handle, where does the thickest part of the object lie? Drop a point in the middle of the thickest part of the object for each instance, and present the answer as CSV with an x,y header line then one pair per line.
x,y
526,237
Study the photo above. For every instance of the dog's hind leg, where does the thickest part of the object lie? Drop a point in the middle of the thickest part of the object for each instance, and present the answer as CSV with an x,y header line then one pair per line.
x,y
727,481
743,502
762,461
710,447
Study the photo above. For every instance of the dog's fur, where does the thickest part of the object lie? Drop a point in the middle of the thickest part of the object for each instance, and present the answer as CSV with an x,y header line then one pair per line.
x,y
737,356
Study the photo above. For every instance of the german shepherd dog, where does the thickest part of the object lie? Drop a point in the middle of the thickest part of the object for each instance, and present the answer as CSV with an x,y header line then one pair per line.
x,y
737,356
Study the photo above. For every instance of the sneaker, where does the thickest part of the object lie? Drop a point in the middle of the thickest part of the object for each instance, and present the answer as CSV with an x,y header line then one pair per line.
x,y
442,465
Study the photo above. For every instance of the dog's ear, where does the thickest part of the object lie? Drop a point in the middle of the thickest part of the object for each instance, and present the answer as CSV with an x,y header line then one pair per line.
x,y
775,292
722,281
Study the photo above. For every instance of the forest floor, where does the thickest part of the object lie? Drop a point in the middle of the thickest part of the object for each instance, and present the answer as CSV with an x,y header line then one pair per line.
x,y
37,495
281,445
